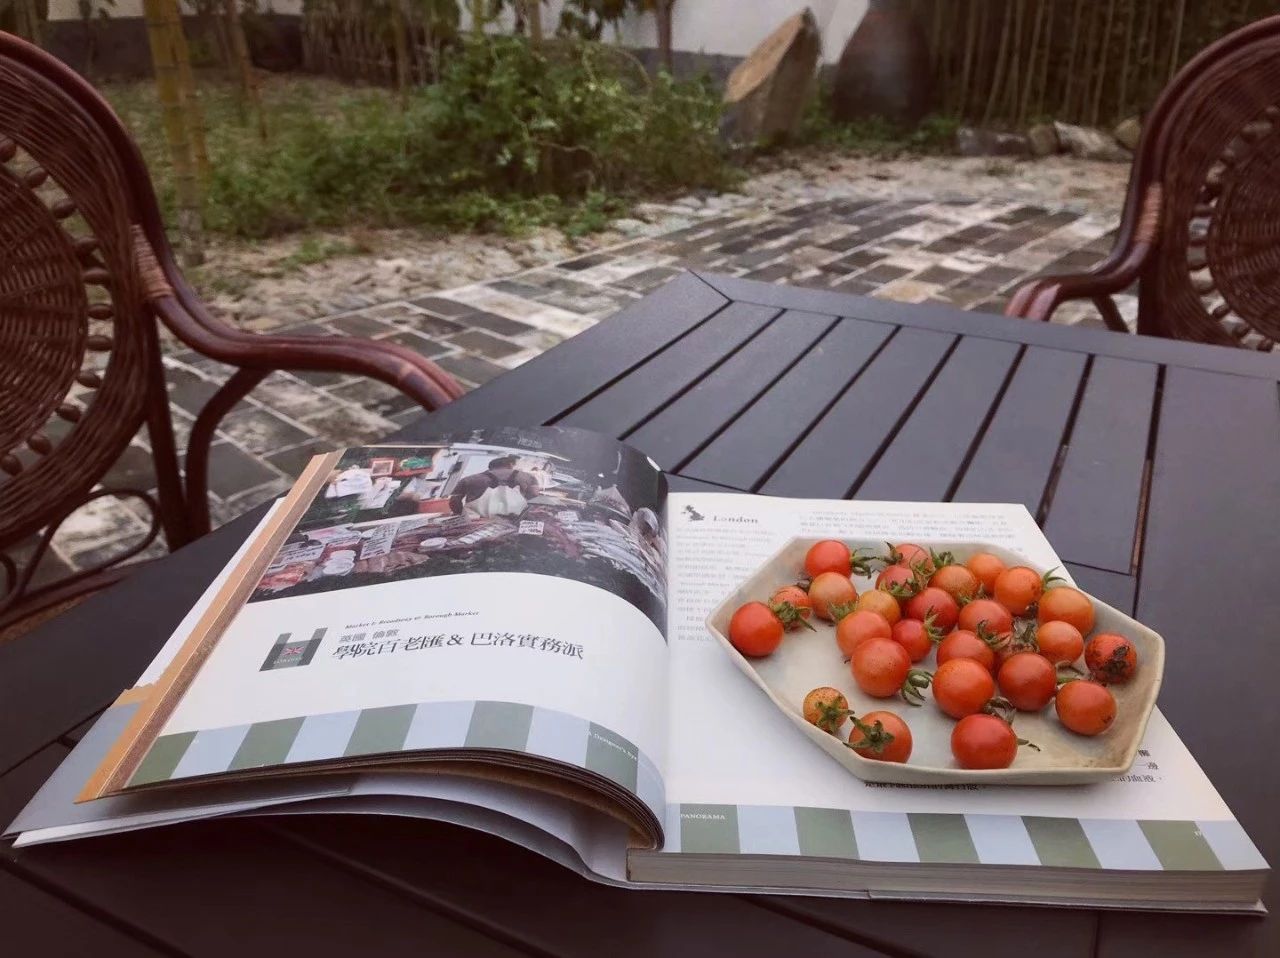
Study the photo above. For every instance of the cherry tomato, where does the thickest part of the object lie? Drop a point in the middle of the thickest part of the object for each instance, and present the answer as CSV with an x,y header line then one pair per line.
x,y
935,602
914,557
1060,641
1087,708
1110,658
791,604
1065,604
880,666
829,555
827,708
1018,588
859,626
955,580
963,644
962,687
996,616
983,741
985,568
874,600
754,630
881,736
830,589
899,581
1028,681
916,637
1009,644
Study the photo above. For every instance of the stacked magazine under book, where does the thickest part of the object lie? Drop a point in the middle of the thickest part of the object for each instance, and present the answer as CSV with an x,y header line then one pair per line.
x,y
504,628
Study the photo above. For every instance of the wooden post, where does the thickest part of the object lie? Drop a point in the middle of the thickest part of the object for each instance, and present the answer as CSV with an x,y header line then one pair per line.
x,y
662,13
477,18
400,41
533,15
174,117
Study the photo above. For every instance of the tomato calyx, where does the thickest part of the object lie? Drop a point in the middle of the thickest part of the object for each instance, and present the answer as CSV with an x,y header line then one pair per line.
x,y
1051,578
910,589
790,616
862,564
831,717
931,631
1001,708
916,681
941,559
1026,743
993,640
1021,639
875,738
839,610
1067,673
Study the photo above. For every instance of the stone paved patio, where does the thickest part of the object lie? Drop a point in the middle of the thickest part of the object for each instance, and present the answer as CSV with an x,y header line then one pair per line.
x,y
966,252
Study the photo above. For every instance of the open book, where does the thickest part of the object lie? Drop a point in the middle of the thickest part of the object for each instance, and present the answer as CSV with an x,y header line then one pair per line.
x,y
505,629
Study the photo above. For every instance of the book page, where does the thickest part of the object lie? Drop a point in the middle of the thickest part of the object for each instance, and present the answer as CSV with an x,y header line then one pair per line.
x,y
740,765
499,589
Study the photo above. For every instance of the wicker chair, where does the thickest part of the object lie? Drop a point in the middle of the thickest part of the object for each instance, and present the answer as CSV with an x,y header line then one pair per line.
x,y
85,272
1201,227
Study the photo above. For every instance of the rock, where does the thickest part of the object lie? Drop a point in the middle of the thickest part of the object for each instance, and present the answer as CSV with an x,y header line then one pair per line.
x,y
884,70
1128,132
973,141
766,93
1087,143
1043,139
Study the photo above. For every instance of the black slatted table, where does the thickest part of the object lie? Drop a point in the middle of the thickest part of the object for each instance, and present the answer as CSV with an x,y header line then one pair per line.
x,y
1153,466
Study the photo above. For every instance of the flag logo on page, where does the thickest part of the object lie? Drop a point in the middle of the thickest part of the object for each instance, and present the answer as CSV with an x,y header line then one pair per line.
x,y
288,654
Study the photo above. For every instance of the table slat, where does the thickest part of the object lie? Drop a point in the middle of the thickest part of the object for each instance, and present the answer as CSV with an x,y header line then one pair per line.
x,y
630,400
683,427
833,455
33,922
553,910
1119,591
930,448
1093,512
744,453
1016,455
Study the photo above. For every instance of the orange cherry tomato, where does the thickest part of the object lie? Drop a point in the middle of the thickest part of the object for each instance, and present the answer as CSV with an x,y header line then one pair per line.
x,y
985,568
859,626
1087,708
916,637
792,605
880,666
914,557
963,644
881,736
754,630
1065,604
1060,641
1018,588
828,590
1028,681
983,741
956,580
975,613
933,601
825,707
899,581
962,687
829,555
874,600
1110,658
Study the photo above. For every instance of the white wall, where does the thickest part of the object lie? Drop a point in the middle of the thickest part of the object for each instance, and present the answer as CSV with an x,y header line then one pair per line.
x,y
726,27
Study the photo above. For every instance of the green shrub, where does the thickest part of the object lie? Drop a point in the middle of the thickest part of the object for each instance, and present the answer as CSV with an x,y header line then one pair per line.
x,y
509,138
875,136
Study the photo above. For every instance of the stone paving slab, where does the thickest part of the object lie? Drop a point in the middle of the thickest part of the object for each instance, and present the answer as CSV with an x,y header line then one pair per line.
x,y
969,253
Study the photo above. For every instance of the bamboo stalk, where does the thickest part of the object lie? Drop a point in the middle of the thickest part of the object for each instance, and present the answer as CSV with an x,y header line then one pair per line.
x,y
1071,58
1091,54
1122,97
477,17
249,91
1175,48
1105,45
1042,95
533,14
998,73
1024,103
187,88
1009,95
28,20
971,41
174,120
400,43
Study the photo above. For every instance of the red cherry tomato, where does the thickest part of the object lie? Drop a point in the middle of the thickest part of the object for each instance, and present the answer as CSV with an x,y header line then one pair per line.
x,y
830,590
874,600
1060,641
955,580
962,687
914,636
880,666
1028,681
1086,708
857,627
829,555
914,557
933,601
881,736
1019,588
792,605
983,741
1110,658
899,581
963,644
754,630
986,568
996,616
1065,604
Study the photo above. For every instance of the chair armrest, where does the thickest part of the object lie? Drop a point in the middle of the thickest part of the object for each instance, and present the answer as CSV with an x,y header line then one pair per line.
x,y
1039,298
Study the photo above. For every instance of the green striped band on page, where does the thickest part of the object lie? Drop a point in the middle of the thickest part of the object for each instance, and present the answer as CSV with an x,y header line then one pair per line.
x,y
920,837
387,730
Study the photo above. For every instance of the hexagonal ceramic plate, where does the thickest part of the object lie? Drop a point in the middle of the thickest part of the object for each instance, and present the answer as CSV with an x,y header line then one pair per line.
x,y
806,660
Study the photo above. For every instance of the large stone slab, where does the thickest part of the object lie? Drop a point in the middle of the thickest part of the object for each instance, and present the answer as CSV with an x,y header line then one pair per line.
x,y
766,94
